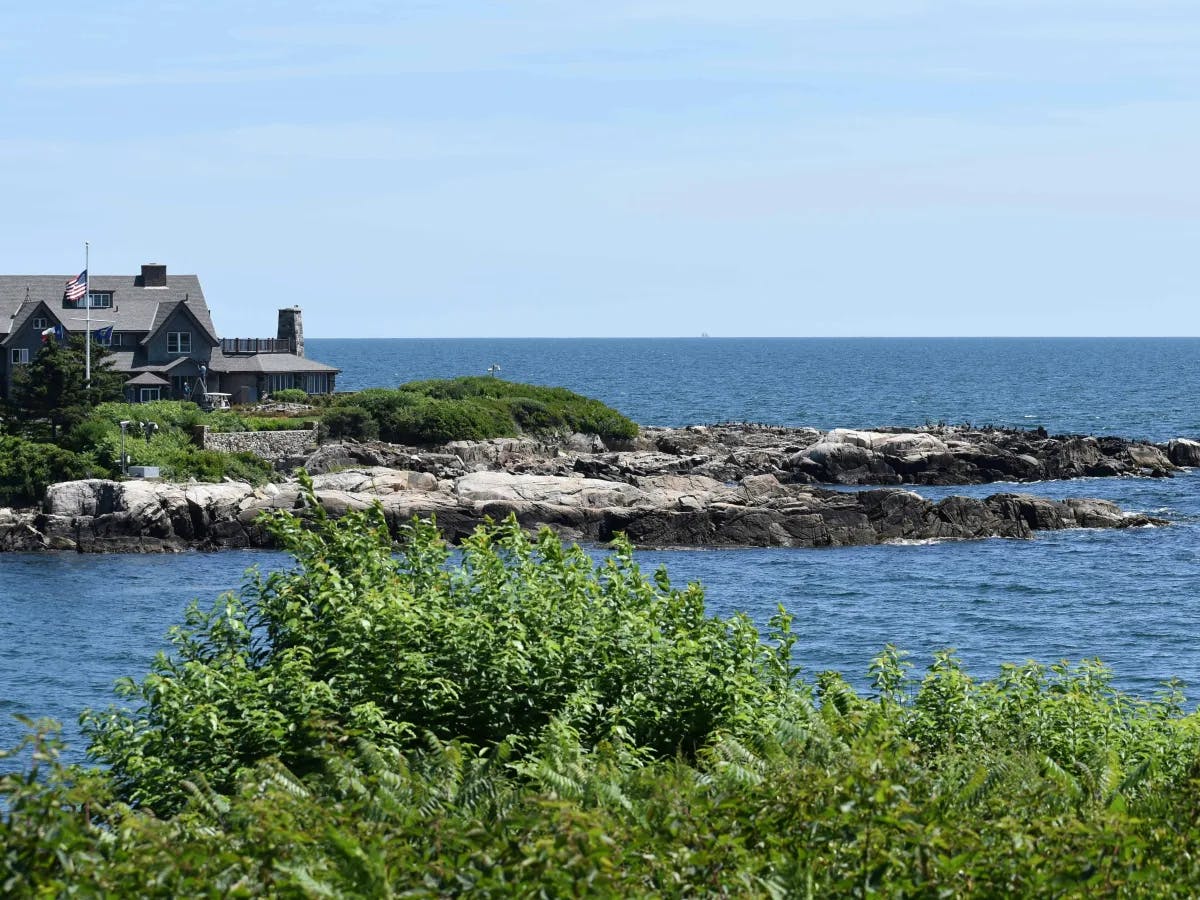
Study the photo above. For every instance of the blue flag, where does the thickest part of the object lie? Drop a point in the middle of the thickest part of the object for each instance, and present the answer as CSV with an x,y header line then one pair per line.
x,y
104,335
59,334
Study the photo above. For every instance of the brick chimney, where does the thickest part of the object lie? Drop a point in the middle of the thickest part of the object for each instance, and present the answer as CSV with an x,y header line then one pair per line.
x,y
154,275
291,328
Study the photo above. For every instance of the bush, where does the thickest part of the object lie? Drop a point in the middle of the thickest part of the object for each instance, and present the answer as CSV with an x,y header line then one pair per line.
x,y
352,422
434,412
358,643
27,468
289,395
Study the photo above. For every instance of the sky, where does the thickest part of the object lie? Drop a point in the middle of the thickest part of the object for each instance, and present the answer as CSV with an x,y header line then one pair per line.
x,y
618,168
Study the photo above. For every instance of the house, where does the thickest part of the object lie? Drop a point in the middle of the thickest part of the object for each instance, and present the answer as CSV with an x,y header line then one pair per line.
x,y
162,336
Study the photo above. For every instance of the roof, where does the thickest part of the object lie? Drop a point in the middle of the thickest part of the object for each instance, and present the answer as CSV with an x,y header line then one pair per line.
x,y
135,308
24,313
147,379
266,363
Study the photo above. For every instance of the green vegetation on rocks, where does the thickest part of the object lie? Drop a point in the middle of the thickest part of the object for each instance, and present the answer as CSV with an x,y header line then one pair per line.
x,y
527,722
473,408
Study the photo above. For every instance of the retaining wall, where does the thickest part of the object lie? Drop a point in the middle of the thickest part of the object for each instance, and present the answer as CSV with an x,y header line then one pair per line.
x,y
269,445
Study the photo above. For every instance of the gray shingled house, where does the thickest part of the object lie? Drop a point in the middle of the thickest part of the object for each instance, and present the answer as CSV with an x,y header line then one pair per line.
x,y
162,336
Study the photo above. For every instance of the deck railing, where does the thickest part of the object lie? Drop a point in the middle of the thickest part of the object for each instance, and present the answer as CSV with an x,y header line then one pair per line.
x,y
234,346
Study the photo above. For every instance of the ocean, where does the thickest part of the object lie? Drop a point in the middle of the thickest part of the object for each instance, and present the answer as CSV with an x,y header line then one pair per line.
x,y
70,624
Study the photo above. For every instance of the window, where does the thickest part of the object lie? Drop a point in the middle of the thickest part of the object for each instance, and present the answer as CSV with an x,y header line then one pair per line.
x,y
181,386
116,339
317,384
279,383
20,356
100,299
146,395
40,322
179,342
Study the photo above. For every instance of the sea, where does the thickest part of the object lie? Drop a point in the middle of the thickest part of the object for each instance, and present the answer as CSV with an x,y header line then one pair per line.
x,y
71,624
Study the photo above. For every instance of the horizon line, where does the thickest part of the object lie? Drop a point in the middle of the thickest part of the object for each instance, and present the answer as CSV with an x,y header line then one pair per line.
x,y
798,337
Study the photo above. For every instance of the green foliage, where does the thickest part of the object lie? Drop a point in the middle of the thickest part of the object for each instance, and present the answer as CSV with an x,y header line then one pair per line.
x,y
51,394
349,422
26,468
527,722
359,644
170,447
433,412
290,395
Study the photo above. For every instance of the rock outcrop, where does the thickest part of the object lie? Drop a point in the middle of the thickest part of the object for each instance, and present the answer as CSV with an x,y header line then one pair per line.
x,y
654,510
728,453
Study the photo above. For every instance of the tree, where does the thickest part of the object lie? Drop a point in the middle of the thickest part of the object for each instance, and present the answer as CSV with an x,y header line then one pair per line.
x,y
51,390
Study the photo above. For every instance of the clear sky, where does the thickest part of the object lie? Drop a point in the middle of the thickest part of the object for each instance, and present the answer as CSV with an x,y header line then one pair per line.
x,y
618,168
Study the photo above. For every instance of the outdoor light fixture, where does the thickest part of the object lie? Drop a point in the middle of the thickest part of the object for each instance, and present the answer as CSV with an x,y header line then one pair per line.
x,y
124,462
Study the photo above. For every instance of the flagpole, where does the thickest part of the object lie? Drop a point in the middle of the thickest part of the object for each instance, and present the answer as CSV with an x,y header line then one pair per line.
x,y
87,302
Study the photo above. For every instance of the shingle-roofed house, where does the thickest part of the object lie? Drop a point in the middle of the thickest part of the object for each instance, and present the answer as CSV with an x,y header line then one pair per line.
x,y
162,336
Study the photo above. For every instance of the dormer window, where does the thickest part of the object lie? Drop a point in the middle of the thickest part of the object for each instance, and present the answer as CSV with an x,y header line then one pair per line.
x,y
40,322
179,342
100,299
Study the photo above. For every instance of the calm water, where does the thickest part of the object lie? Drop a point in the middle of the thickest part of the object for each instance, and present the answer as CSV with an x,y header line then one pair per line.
x,y
1136,388
71,624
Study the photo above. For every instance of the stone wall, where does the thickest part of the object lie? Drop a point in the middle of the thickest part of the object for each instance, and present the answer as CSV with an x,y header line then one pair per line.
x,y
269,445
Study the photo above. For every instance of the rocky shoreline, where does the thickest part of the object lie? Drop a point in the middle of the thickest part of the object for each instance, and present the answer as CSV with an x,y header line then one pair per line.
x,y
728,485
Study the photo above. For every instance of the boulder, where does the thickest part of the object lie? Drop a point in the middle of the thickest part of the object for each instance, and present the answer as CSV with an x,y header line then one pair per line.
x,y
1184,452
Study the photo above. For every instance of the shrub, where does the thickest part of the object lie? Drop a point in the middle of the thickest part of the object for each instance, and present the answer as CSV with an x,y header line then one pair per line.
x,y
432,412
290,395
360,643
27,468
349,422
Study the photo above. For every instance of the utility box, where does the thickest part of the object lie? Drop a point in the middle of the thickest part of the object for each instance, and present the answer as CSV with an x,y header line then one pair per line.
x,y
143,471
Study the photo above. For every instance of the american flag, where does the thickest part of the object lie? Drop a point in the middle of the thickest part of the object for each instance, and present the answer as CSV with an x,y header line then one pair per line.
x,y
78,287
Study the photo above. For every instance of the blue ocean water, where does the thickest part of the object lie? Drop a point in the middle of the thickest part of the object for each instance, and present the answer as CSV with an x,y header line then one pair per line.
x,y
1133,387
70,624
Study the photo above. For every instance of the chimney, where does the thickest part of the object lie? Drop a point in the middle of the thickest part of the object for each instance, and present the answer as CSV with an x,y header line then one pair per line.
x,y
154,275
291,329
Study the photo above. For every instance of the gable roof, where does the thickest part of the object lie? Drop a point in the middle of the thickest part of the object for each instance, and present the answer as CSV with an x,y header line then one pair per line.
x,y
163,313
25,312
135,308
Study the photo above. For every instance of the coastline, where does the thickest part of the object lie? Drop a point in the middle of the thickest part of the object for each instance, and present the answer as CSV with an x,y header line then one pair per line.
x,y
729,485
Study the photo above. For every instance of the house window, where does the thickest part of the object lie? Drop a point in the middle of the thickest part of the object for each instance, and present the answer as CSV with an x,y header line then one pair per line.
x,y
116,339
40,322
20,356
279,383
317,384
100,299
179,342
146,395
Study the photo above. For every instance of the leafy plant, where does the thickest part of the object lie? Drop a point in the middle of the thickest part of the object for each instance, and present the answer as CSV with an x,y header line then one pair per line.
x,y
439,411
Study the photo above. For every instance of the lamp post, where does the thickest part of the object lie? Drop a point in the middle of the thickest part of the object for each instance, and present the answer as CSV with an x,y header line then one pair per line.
x,y
124,424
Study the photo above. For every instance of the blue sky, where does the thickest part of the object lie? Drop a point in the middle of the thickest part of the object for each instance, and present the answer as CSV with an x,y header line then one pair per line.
x,y
669,167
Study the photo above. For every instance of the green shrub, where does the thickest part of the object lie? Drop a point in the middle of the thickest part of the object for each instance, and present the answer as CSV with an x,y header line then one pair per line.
x,y
358,643
27,468
433,412
290,395
352,422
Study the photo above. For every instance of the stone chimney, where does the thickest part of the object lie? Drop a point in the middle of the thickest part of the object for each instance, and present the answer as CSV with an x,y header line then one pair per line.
x,y
291,328
154,275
